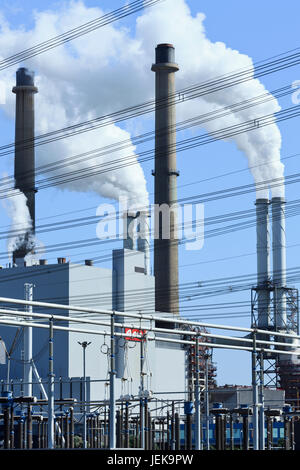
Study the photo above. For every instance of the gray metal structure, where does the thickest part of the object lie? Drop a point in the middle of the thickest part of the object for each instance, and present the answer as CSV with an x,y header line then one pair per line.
x,y
234,396
274,305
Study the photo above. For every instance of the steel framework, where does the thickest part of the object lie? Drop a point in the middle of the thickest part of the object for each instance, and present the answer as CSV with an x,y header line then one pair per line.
x,y
275,373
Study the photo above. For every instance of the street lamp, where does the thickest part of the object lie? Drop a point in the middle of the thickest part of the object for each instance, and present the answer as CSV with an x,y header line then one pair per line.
x,y
84,345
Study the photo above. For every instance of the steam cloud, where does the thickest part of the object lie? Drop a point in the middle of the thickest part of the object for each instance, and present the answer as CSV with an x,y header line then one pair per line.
x,y
201,60
21,223
110,70
21,226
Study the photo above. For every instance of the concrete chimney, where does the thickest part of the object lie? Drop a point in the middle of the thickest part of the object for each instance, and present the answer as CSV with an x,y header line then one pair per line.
x,y
263,262
129,227
24,146
165,250
279,261
143,238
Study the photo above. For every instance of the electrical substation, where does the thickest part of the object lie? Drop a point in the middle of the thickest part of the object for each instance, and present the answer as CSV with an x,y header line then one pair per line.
x,y
102,374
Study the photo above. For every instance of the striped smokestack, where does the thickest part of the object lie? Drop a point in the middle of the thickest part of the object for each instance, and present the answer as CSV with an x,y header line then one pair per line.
x,y
165,248
279,261
263,262
24,148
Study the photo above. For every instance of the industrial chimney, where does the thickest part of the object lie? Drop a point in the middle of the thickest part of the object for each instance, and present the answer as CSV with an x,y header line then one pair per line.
x,y
129,228
24,148
279,261
263,262
143,238
165,249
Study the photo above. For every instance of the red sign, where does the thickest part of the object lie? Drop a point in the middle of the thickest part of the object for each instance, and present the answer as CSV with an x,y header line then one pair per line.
x,y
134,334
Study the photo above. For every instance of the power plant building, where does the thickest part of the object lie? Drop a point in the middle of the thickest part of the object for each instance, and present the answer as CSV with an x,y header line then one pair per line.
x,y
95,288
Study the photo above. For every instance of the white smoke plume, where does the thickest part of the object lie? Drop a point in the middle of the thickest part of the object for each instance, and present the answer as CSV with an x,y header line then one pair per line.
x,y
39,249
21,224
110,69
201,60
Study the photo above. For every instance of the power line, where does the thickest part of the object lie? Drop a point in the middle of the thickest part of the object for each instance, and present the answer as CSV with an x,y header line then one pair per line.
x,y
62,214
192,92
183,145
196,121
77,32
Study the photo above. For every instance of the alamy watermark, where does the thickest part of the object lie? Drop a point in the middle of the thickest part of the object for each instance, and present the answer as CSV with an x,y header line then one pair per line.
x,y
184,223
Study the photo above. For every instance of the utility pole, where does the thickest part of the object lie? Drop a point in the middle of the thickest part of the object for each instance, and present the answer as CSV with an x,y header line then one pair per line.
x,y
173,438
28,288
112,404
255,395
262,403
142,431
84,345
51,390
207,403
197,401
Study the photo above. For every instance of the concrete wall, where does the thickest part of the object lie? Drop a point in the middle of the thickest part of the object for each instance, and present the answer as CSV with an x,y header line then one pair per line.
x,y
170,370
91,287
133,290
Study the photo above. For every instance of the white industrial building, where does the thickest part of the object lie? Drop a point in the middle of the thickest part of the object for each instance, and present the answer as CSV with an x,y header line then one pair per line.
x,y
96,288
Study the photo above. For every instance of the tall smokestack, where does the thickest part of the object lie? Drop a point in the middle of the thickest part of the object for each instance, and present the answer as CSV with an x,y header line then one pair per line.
x,y
263,262
165,250
279,260
24,147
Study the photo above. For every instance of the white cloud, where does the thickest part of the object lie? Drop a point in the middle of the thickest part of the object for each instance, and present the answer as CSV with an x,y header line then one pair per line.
x,y
201,60
110,69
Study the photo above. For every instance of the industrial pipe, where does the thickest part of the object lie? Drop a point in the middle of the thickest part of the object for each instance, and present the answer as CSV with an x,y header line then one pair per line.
x,y
51,441
28,344
140,316
112,374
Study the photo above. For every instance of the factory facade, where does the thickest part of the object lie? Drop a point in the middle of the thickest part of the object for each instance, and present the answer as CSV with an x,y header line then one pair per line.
x,y
96,288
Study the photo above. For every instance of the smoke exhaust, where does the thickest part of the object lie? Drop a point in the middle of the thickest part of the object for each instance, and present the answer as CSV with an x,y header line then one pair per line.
x,y
24,166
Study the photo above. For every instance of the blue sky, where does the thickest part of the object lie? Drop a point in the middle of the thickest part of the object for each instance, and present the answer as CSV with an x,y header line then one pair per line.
x,y
258,29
